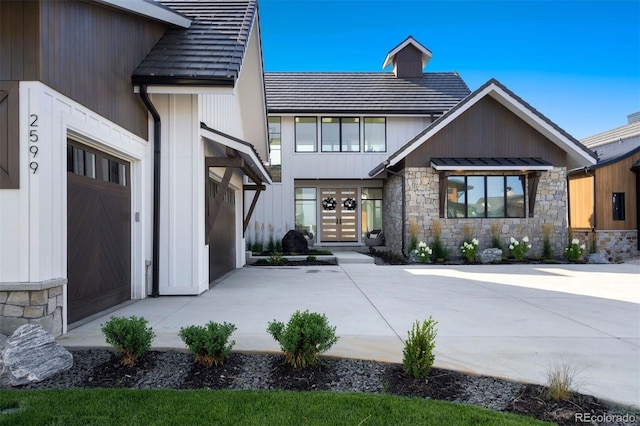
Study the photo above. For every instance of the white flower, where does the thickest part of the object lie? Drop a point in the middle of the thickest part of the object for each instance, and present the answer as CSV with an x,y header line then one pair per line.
x,y
422,244
529,246
511,247
575,241
428,250
475,242
516,243
582,247
512,240
525,239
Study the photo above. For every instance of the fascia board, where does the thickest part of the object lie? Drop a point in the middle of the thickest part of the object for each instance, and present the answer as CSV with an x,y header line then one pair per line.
x,y
187,90
151,10
491,168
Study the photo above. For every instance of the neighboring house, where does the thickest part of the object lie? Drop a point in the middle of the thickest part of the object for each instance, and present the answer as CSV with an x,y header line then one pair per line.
x,y
134,103
412,148
328,130
603,198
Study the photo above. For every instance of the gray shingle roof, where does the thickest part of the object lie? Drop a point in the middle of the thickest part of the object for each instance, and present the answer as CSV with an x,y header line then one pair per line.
x,y
616,150
362,92
209,52
622,132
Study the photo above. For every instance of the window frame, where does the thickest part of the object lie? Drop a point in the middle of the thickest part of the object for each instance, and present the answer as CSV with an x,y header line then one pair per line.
x,y
364,133
618,205
485,214
295,131
341,143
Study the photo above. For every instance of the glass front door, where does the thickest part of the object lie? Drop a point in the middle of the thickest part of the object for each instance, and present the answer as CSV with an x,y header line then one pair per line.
x,y
338,215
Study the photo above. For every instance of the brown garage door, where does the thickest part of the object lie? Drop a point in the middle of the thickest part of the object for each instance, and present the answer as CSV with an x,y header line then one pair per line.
x,y
98,231
222,230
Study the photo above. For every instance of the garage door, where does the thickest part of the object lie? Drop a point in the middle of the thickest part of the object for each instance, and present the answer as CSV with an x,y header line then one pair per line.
x,y
221,217
98,231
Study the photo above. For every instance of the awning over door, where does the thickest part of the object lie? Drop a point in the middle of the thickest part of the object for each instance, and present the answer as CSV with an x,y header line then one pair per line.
x,y
490,164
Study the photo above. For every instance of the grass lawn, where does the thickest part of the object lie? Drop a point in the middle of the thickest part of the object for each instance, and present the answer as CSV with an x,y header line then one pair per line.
x,y
198,407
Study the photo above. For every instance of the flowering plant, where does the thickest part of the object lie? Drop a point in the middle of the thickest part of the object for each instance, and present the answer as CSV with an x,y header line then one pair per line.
x,y
469,249
573,253
519,248
424,252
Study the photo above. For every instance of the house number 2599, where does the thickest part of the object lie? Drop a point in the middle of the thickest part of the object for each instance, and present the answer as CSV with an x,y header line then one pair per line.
x,y
33,143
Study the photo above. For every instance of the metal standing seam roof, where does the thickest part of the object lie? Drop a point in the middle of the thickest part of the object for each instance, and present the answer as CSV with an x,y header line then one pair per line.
x,y
299,92
519,163
209,52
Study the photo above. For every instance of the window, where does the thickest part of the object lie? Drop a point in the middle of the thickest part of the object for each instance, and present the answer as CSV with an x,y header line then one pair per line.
x,y
306,134
275,148
340,134
375,134
485,196
306,207
371,205
81,162
618,206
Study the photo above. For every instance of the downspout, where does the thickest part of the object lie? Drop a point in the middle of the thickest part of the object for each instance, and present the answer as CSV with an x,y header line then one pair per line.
x,y
404,213
155,270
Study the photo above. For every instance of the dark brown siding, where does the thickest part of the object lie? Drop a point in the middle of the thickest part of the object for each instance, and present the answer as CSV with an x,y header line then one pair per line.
x,y
19,40
409,63
89,53
9,135
487,129
616,177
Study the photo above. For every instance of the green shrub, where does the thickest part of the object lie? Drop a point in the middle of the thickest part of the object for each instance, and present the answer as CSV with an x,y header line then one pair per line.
x,y
574,252
560,379
210,343
440,253
276,258
130,336
418,354
311,258
305,336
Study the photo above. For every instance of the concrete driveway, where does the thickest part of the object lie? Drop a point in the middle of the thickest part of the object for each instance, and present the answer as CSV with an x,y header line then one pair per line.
x,y
512,321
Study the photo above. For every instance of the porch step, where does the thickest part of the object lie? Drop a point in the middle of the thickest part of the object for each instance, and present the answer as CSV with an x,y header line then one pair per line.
x,y
346,257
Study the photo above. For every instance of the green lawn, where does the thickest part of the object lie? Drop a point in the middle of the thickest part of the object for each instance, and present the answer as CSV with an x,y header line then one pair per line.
x,y
198,407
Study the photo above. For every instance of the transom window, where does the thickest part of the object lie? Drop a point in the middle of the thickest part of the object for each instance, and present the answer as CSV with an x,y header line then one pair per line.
x,y
340,134
485,196
306,134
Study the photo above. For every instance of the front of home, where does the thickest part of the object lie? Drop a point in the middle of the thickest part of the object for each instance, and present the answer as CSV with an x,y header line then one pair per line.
x,y
405,151
126,146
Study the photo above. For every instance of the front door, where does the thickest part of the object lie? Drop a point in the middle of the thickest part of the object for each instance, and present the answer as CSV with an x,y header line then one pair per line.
x,y
338,215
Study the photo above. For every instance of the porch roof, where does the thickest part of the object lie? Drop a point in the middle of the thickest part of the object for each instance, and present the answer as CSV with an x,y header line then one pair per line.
x,y
486,164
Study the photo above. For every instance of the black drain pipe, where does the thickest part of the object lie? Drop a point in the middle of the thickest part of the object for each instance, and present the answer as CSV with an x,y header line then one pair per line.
x,y
404,210
155,270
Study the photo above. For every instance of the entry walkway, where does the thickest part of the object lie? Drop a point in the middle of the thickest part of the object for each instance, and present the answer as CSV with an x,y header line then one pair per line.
x,y
512,321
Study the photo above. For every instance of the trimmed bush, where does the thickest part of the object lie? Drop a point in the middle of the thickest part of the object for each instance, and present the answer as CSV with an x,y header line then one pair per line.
x,y
418,354
306,335
130,336
209,343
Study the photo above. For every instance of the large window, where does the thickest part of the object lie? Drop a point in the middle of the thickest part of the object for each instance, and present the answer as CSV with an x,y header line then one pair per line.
x,y
618,206
375,134
306,134
371,204
485,196
306,207
340,134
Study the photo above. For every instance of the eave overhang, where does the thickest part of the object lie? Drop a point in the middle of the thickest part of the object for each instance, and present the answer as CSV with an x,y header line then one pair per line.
x,y
491,164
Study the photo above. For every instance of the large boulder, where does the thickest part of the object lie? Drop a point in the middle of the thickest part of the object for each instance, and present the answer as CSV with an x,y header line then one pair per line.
x,y
294,242
31,355
491,255
596,257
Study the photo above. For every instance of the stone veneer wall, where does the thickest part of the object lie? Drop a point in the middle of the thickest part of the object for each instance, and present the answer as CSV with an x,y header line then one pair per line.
x,y
616,245
22,304
422,195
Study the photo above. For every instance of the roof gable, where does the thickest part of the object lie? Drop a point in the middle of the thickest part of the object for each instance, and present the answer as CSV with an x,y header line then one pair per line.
x,y
577,153
426,53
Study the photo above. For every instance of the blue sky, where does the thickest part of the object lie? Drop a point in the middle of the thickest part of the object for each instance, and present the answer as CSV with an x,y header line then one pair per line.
x,y
577,62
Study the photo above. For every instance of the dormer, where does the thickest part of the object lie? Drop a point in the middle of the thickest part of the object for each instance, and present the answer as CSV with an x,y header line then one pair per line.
x,y
408,59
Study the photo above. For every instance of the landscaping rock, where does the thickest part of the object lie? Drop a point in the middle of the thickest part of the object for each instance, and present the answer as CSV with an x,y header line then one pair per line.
x,y
596,258
31,355
294,242
491,255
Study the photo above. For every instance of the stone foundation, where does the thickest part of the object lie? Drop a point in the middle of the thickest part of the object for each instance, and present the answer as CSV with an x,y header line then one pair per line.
x,y
616,245
39,303
422,210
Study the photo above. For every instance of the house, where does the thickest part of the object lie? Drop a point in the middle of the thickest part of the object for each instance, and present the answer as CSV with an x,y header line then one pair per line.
x,y
603,198
399,151
127,141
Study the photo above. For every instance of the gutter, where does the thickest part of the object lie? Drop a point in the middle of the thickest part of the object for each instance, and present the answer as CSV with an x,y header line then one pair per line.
x,y
155,269
404,213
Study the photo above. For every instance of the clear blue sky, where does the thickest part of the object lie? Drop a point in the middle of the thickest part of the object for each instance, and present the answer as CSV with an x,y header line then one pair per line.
x,y
577,62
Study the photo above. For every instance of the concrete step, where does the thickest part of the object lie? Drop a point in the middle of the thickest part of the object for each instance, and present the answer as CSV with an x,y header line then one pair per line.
x,y
346,257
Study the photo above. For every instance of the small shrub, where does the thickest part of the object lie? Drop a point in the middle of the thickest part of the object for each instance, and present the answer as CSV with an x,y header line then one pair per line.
x,y
276,258
210,343
306,335
413,235
519,248
130,336
311,258
271,245
424,252
469,249
574,252
418,353
546,241
440,253
560,379
495,236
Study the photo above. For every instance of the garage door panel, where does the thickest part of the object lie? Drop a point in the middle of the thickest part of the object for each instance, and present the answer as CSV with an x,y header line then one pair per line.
x,y
222,231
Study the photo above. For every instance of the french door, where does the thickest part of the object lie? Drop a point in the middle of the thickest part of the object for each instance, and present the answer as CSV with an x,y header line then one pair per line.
x,y
338,215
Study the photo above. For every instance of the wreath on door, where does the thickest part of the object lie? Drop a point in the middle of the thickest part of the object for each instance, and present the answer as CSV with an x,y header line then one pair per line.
x,y
329,203
350,204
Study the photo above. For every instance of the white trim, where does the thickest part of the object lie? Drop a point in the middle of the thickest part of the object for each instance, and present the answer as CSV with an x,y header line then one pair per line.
x,y
426,54
151,10
490,168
